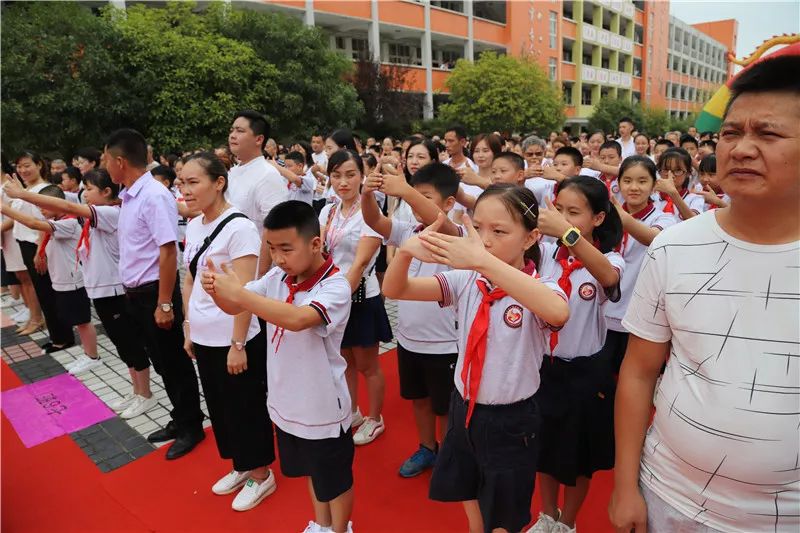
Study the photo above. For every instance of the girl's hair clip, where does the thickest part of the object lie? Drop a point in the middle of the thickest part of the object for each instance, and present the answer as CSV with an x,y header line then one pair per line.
x,y
528,210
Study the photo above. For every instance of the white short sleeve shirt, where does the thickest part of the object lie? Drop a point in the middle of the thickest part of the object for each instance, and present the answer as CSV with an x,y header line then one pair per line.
x,y
541,188
62,262
100,260
724,444
695,202
255,188
24,233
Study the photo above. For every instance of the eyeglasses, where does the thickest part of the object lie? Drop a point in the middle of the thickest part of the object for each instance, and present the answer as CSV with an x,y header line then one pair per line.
x,y
677,173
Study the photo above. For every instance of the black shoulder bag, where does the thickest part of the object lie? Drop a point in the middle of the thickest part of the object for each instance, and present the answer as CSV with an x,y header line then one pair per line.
x,y
207,241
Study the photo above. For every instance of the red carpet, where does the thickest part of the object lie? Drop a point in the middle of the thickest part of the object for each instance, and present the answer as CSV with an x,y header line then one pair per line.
x,y
54,487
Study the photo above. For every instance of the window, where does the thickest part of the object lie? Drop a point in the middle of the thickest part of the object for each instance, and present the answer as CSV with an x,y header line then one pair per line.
x,y
567,94
451,5
490,10
340,43
553,64
399,53
553,28
360,49
621,62
586,96
638,34
637,67
567,10
604,62
566,53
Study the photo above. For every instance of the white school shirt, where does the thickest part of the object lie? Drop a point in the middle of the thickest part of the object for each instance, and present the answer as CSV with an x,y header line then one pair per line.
x,y
308,394
320,159
541,188
100,263
341,239
24,233
403,213
255,188
422,327
62,261
724,444
303,192
12,255
695,202
472,190
612,185
516,340
585,332
628,149
710,207
208,324
633,252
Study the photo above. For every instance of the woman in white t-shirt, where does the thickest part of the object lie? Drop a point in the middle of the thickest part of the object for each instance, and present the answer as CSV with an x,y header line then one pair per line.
x,y
230,351
354,247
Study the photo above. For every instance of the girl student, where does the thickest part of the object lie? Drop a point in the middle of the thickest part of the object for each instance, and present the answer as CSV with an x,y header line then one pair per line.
x,y
642,145
576,395
489,455
674,197
229,350
98,250
354,247
642,220
711,192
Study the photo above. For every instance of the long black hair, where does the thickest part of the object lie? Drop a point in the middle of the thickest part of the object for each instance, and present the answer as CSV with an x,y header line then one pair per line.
x,y
99,178
430,146
342,156
343,139
609,232
523,207
681,156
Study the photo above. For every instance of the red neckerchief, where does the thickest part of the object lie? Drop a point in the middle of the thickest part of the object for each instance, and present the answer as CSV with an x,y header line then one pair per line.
x,y
567,268
669,207
714,206
48,236
84,239
639,215
608,180
475,354
327,269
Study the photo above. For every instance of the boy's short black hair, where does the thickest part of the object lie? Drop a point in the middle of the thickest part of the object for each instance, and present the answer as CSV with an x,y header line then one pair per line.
x,y
459,130
626,119
164,172
294,214
130,144
515,159
614,145
53,191
709,142
258,123
296,156
686,138
442,177
573,153
665,142
708,165
72,172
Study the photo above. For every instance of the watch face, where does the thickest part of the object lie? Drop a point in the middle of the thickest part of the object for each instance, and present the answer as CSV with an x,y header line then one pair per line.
x,y
572,237
166,308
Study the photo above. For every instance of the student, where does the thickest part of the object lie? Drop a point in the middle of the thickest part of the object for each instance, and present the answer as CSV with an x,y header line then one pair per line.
x,y
98,250
30,167
299,181
576,395
354,247
705,148
340,139
426,334
689,143
166,176
229,350
711,192
508,168
488,458
70,183
305,301
148,267
484,149
642,144
61,237
625,140
641,222
607,163
387,146
675,169
661,146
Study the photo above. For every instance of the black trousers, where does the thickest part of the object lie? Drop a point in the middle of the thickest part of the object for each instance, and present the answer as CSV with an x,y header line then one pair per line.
x,y
165,350
60,332
113,314
237,404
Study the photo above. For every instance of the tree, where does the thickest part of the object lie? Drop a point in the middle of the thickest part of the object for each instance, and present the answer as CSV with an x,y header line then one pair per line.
x,y
388,110
655,121
608,111
502,93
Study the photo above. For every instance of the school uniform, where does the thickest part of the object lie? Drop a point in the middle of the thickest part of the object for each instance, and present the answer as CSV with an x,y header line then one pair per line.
x,y
491,447
12,255
633,252
60,332
577,391
541,188
237,404
368,323
308,398
255,188
72,302
148,220
695,202
628,148
472,190
612,185
722,196
98,250
427,349
303,192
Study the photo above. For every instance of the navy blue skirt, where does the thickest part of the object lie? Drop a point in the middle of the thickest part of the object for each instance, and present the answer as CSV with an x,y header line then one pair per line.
x,y
368,324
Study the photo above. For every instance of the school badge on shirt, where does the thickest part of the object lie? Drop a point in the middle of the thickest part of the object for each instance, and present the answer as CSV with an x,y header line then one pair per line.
x,y
513,316
587,291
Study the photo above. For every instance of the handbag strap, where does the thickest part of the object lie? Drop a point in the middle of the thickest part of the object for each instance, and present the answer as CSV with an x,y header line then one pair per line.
x,y
207,241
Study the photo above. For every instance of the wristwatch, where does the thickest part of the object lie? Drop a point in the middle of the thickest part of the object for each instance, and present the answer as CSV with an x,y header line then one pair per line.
x,y
166,307
239,345
570,237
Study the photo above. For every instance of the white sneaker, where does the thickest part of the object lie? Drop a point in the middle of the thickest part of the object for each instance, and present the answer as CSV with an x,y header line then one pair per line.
x,y
545,523
313,527
369,431
230,482
84,363
357,419
138,406
253,493
120,404
561,527
22,317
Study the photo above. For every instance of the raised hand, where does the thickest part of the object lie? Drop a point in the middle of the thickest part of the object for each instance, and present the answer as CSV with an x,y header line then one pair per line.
x,y
394,185
533,171
222,285
667,185
551,222
13,188
467,253
372,183
416,248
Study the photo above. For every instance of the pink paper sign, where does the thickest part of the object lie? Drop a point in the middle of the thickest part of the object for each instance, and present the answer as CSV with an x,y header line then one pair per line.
x,y
52,407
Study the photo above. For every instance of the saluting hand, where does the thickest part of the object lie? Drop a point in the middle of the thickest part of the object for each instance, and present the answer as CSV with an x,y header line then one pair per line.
x,y
222,285
551,222
467,253
394,184
416,248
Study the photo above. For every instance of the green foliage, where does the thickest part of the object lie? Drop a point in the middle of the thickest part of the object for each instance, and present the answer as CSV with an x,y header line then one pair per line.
x,y
502,93
676,124
607,113
175,73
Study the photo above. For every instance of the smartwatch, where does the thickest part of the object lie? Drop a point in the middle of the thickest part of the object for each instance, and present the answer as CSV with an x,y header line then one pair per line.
x,y
166,307
571,237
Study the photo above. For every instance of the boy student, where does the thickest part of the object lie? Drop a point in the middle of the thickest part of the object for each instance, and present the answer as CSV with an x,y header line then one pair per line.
x,y
69,180
59,244
661,146
148,267
426,334
305,302
300,183
607,163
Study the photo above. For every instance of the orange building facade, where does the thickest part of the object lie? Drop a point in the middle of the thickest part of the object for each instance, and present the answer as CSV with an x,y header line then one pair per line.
x,y
592,49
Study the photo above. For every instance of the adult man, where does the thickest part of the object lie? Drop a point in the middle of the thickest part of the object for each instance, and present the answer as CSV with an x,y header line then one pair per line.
x,y
693,131
148,266
720,294
455,140
625,139
57,167
318,148
254,186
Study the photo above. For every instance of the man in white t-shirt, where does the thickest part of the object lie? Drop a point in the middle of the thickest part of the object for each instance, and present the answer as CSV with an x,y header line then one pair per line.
x,y
318,150
254,186
717,298
455,141
625,139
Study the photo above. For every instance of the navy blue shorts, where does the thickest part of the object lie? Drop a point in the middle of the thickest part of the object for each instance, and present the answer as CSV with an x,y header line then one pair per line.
x,y
73,307
368,324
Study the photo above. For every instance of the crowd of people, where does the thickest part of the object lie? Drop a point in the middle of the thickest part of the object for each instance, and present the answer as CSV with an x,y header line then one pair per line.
x,y
550,292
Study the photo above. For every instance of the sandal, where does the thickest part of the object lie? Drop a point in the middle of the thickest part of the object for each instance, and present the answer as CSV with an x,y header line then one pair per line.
x,y
31,328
